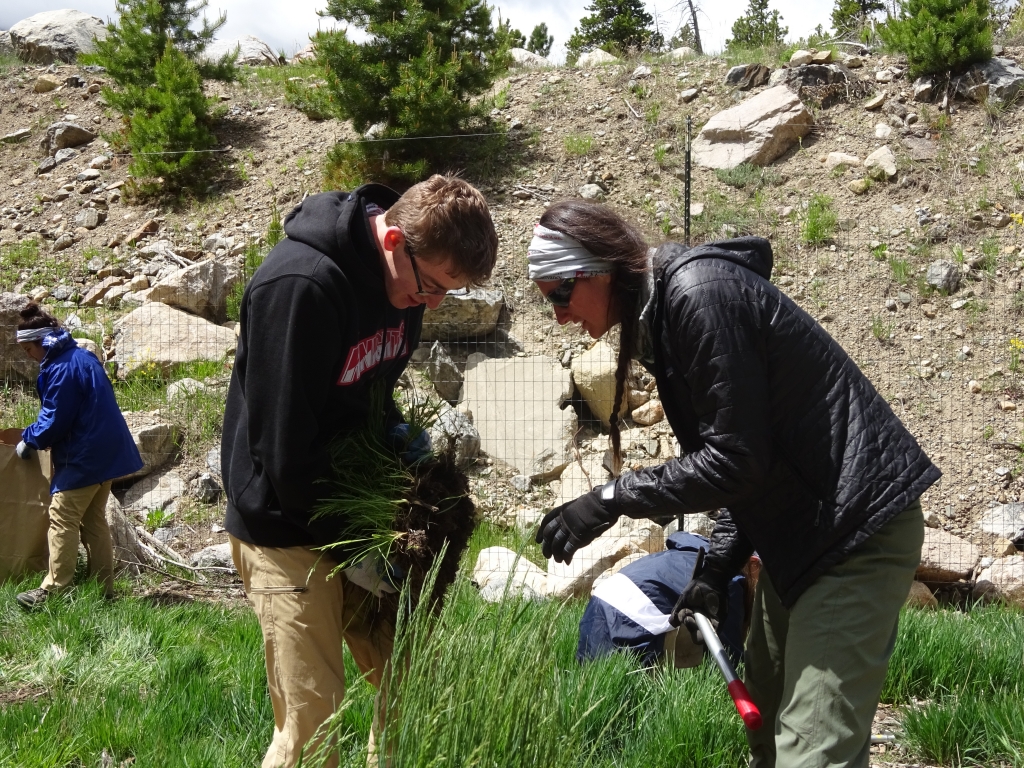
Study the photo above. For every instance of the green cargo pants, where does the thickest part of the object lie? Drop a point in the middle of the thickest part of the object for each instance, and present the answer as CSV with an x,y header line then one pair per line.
x,y
816,670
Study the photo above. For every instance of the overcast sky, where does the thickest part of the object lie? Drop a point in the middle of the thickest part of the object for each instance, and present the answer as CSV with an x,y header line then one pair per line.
x,y
287,25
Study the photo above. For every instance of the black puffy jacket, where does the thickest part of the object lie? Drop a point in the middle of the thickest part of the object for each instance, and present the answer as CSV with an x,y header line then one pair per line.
x,y
779,427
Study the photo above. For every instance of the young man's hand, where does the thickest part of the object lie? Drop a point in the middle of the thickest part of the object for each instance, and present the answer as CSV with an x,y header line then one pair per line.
x,y
574,525
414,450
24,450
707,593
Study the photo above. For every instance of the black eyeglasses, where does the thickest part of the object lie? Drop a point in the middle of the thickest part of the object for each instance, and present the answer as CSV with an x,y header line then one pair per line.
x,y
562,293
416,274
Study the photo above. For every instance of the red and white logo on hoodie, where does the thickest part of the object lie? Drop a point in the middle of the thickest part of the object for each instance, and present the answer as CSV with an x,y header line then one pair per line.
x,y
372,351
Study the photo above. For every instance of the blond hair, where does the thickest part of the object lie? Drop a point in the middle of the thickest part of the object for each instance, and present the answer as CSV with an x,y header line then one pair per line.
x,y
446,219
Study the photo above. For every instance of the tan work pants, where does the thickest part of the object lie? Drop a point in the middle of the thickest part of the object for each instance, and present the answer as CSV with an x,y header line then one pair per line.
x,y
305,618
80,515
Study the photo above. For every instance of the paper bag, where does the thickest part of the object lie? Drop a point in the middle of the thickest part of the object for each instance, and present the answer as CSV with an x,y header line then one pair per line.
x,y
24,501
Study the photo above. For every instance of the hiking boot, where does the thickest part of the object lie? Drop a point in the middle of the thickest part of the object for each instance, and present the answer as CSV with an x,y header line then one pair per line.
x,y
32,599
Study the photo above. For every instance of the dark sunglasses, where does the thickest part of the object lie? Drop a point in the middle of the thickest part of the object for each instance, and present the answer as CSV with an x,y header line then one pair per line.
x,y
562,293
416,274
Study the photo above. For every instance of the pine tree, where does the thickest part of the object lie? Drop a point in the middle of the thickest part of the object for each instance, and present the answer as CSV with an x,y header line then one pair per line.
x,y
508,37
757,28
622,25
940,35
540,41
417,70
139,38
848,16
169,129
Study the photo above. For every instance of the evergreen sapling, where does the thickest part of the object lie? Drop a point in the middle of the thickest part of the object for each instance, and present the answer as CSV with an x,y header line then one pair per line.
x,y
940,36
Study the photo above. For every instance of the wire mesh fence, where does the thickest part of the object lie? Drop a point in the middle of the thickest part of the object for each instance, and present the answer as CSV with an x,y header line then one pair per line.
x,y
929,311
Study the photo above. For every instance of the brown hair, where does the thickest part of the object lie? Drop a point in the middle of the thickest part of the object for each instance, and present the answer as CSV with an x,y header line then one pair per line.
x,y
32,317
446,219
608,236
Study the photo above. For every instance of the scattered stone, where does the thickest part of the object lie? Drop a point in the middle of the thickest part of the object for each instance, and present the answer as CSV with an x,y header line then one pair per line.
x,y
201,289
63,242
19,135
595,58
853,62
95,295
156,492
205,488
757,131
688,95
47,165
921,597
875,102
594,375
213,461
642,72
500,572
14,363
884,159
521,483
1004,580
923,89
64,155
882,131
65,135
214,556
466,315
678,55
100,161
151,227
155,440
45,84
159,334
444,373
747,76
800,58
247,50
821,57
649,414
1005,520
455,426
835,159
945,557
974,386
90,174
1003,77
943,276
1007,405
859,186
538,442
90,218
929,310
591,192
524,58
885,76
56,36
218,242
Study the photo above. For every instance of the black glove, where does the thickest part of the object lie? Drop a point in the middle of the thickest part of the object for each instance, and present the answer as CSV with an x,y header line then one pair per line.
x,y
707,593
571,526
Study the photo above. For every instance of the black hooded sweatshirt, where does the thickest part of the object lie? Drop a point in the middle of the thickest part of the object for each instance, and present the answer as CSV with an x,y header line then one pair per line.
x,y
781,429
317,330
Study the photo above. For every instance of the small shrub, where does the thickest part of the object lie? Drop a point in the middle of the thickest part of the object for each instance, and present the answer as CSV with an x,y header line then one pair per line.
x,y
578,144
901,270
312,99
621,25
940,35
660,155
821,221
740,177
882,328
880,252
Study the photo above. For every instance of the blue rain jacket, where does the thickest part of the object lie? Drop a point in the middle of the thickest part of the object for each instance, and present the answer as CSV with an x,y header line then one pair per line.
x,y
79,420
634,616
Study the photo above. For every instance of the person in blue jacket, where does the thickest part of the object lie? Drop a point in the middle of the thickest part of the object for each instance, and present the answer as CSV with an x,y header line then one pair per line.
x,y
90,445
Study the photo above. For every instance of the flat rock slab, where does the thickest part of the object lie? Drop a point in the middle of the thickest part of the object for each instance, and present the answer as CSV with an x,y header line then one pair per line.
x,y
201,289
159,334
945,557
594,375
1004,579
463,316
155,439
155,492
581,476
516,406
757,131
921,150
627,537
215,556
500,573
1005,520
524,58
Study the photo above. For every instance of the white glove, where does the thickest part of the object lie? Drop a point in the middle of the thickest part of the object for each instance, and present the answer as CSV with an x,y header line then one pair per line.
x,y
370,573
24,450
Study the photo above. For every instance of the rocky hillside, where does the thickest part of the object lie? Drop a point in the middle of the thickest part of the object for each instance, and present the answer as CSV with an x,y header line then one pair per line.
x,y
895,223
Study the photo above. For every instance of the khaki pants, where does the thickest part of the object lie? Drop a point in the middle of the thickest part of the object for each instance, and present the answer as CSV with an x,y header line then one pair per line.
x,y
80,515
816,670
305,618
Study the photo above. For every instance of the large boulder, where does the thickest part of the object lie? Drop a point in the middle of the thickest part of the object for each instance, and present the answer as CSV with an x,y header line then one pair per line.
x,y
524,58
214,556
500,572
463,316
1004,520
945,557
456,427
159,334
594,375
757,131
443,373
248,50
159,491
64,135
1004,77
6,46
14,363
56,36
306,54
538,440
678,55
1004,579
627,537
201,289
595,58
155,439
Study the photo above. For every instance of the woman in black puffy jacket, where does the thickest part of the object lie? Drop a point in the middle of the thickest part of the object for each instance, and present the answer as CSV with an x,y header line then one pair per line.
x,y
780,432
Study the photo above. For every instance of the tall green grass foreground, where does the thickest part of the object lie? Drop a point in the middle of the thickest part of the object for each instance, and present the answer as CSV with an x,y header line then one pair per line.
x,y
498,686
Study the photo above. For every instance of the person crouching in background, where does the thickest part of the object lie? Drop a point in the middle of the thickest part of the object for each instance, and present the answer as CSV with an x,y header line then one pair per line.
x,y
81,423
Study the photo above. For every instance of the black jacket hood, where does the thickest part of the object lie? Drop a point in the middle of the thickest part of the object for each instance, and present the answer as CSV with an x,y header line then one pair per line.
x,y
754,253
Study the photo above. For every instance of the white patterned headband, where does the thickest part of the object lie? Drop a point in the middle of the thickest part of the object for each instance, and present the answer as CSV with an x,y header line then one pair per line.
x,y
35,334
554,256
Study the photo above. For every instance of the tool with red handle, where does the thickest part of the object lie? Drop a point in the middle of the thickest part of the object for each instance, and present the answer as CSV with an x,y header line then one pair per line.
x,y
740,696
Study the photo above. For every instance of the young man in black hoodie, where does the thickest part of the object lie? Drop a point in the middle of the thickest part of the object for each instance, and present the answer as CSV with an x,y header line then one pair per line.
x,y
336,307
